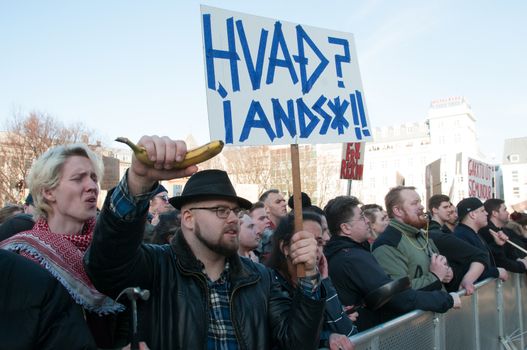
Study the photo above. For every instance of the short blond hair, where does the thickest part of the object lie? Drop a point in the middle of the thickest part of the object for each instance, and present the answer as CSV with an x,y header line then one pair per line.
x,y
393,198
46,171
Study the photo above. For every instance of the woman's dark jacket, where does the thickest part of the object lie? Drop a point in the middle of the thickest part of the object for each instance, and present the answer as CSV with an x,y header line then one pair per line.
x,y
335,319
36,311
177,313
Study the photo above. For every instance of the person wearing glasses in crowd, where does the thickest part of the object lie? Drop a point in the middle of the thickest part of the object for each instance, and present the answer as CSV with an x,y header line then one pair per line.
x,y
355,272
158,205
203,295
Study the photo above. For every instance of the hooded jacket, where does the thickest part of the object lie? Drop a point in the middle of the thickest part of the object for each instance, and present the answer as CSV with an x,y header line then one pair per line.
x,y
355,273
176,315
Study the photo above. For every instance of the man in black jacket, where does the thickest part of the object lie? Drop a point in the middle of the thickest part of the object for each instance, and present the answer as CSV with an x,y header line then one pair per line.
x,y
467,262
472,218
355,272
498,216
203,295
439,208
36,312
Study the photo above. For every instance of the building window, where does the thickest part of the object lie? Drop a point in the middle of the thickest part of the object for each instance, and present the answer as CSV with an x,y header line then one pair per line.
x,y
514,158
515,176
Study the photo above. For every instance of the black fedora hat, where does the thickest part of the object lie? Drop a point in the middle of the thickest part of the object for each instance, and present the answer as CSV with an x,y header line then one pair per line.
x,y
208,184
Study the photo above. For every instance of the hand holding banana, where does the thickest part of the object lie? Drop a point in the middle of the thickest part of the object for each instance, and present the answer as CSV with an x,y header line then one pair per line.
x,y
161,158
195,156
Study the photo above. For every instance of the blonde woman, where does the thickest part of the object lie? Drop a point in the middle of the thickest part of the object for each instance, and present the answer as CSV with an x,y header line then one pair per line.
x,y
64,185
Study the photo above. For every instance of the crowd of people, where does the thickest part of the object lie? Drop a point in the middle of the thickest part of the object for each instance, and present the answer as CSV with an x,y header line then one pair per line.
x,y
222,272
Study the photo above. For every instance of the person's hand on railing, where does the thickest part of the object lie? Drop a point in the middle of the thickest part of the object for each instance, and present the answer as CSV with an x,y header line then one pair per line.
x,y
340,342
457,300
468,286
523,261
503,274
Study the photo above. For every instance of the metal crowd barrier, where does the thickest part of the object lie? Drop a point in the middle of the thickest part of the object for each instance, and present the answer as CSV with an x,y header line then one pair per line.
x,y
494,317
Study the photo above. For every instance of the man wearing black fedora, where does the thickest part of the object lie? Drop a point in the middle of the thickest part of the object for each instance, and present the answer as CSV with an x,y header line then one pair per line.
x,y
203,295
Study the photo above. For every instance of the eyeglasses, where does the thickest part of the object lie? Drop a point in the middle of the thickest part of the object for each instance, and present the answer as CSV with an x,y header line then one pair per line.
x,y
221,212
361,218
163,197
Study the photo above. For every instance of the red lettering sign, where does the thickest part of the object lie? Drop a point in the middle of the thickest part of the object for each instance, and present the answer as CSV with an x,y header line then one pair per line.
x,y
352,165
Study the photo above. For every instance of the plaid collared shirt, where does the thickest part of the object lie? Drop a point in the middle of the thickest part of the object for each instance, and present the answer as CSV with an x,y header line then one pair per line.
x,y
126,206
221,335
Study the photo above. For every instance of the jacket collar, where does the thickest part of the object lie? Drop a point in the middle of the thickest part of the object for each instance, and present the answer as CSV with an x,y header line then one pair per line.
x,y
338,243
190,264
405,228
492,226
463,227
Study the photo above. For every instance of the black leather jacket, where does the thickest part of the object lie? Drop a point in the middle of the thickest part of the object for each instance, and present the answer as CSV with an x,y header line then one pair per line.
x,y
176,315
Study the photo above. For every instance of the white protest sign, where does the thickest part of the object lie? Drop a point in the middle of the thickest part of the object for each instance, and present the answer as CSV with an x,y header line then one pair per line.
x,y
273,82
480,178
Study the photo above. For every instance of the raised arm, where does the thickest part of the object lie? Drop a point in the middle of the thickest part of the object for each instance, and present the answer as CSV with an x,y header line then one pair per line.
x,y
116,258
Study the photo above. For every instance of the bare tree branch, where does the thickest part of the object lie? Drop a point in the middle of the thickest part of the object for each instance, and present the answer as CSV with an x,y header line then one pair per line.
x,y
25,139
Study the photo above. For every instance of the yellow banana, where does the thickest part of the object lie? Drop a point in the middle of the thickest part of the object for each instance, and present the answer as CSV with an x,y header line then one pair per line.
x,y
195,156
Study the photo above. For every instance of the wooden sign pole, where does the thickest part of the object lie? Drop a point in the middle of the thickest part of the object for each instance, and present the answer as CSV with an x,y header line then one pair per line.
x,y
297,201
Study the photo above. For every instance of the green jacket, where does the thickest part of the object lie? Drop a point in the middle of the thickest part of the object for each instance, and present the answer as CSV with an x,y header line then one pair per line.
x,y
403,250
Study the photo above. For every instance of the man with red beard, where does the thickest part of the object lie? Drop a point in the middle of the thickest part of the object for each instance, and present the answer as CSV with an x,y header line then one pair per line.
x,y
404,249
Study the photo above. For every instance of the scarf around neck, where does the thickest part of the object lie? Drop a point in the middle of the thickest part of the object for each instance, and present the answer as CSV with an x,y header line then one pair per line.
x,y
62,255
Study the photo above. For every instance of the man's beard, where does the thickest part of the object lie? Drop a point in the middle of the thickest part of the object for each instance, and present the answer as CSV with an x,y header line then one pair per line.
x,y
226,249
420,222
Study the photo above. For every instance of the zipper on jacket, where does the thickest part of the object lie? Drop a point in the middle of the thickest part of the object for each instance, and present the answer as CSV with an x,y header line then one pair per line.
x,y
207,300
231,307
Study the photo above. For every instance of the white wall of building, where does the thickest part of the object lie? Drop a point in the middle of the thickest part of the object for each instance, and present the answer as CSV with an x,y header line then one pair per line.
x,y
405,150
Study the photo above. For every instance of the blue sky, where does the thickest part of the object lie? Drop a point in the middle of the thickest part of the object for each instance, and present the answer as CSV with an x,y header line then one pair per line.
x,y
125,68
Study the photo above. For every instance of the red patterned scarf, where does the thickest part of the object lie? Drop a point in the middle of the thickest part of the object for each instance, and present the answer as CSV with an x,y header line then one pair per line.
x,y
61,255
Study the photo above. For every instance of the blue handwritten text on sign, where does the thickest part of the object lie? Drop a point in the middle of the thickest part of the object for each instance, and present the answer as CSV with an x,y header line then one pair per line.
x,y
270,82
